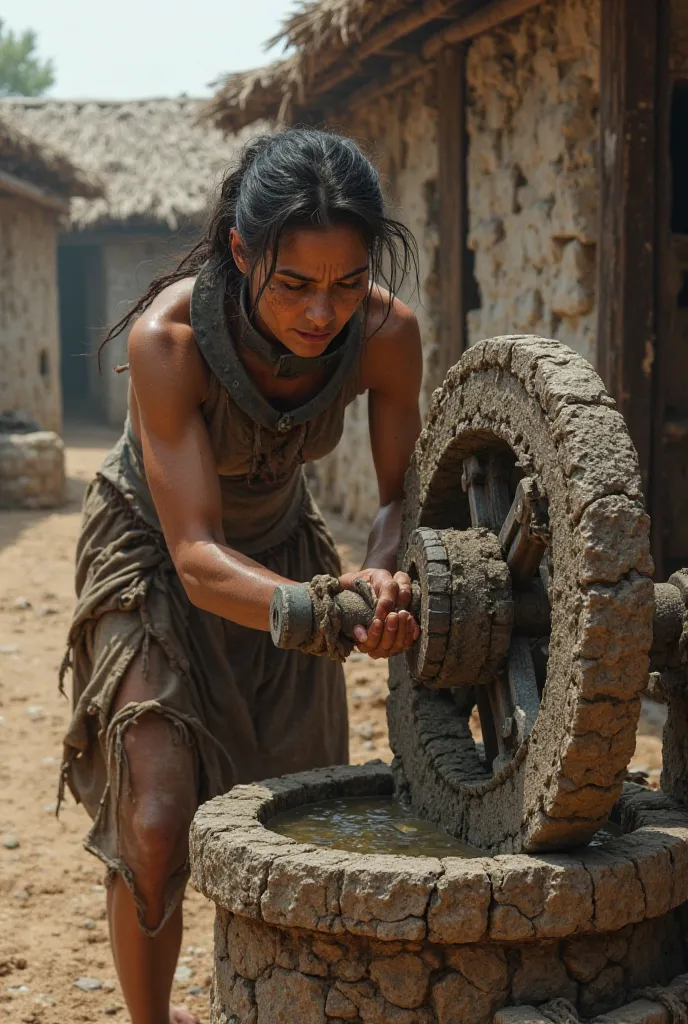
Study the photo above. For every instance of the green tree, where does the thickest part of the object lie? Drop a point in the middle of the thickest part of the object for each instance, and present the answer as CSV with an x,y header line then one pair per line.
x,y
21,71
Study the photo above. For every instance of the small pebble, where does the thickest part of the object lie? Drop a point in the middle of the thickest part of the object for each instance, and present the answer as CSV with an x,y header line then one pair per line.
x,y
97,888
109,986
35,713
10,842
18,990
88,923
357,656
88,984
49,760
369,745
21,604
21,895
43,1000
2,719
112,1010
365,731
45,609
196,990
51,808
183,973
8,649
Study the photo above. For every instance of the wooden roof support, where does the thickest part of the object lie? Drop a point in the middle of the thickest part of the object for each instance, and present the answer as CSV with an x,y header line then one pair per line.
x,y
626,250
490,17
385,36
410,69
11,185
451,100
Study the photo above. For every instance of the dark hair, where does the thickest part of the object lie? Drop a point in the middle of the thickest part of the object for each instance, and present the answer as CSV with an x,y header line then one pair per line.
x,y
285,178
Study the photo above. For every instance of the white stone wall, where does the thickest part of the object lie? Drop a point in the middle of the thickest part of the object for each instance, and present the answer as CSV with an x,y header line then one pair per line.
x,y
400,133
127,269
532,171
32,470
29,324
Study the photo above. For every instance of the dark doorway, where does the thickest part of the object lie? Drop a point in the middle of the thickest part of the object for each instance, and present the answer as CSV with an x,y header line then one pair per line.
x,y
79,277
671,469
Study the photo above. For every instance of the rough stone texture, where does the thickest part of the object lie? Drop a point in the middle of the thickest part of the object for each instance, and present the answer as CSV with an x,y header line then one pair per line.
x,y
32,470
532,166
401,133
597,929
29,330
543,403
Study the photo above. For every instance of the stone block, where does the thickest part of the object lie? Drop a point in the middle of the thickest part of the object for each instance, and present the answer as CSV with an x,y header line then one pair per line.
x,y
402,980
283,997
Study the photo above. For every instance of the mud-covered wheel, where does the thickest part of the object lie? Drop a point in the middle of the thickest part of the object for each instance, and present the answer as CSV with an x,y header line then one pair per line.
x,y
522,416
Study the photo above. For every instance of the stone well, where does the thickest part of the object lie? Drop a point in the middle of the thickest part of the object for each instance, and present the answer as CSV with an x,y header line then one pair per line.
x,y
32,470
307,935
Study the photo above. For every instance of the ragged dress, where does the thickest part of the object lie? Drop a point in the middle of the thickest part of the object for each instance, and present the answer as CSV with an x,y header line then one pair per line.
x,y
249,710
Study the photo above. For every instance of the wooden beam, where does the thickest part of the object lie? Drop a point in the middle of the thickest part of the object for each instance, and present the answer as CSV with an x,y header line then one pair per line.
x,y
389,33
458,31
9,184
451,100
626,250
471,25
410,69
659,487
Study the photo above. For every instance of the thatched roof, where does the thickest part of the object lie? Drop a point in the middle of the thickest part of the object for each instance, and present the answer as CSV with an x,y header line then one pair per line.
x,y
319,31
157,163
41,166
340,48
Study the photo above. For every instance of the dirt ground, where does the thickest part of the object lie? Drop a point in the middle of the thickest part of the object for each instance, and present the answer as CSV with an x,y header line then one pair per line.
x,y
55,963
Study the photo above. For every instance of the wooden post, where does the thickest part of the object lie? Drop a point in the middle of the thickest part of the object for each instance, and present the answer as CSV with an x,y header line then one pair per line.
x,y
451,97
627,251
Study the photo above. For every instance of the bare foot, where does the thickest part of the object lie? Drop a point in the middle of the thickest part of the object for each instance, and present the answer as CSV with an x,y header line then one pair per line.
x,y
179,1016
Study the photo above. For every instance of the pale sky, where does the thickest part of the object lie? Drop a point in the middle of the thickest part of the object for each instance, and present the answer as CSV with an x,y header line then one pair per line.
x,y
122,49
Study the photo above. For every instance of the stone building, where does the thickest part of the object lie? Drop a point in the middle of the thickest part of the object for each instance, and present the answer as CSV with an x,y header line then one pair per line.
x,y
36,185
485,118
159,168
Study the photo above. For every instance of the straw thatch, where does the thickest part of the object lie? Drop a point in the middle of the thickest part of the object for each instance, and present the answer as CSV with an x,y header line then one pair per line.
x,y
41,166
157,163
320,32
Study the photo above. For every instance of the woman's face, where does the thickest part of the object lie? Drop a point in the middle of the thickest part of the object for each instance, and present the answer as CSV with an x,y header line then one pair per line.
x,y
320,280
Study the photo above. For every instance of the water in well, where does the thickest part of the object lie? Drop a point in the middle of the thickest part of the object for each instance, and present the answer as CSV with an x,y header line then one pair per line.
x,y
379,825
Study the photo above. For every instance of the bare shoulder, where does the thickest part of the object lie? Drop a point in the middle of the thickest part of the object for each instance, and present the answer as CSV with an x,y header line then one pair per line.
x,y
161,345
392,355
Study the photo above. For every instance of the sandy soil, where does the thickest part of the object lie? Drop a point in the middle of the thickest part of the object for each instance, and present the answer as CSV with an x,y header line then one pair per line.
x,y
55,963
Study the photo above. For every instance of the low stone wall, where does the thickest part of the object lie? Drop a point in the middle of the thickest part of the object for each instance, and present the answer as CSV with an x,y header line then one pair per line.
x,y
32,470
324,936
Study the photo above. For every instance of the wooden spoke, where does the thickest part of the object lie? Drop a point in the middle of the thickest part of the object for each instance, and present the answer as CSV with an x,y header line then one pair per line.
x,y
525,533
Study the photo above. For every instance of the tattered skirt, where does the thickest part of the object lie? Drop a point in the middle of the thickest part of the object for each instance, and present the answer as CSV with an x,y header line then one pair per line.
x,y
249,710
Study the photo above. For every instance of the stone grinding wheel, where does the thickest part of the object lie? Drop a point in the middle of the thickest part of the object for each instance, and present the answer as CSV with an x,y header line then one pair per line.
x,y
526,408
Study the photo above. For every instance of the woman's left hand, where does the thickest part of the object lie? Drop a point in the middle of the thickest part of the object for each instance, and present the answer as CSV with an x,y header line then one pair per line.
x,y
393,629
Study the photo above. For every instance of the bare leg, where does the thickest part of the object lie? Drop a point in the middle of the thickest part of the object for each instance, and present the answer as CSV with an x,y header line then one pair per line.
x,y
155,814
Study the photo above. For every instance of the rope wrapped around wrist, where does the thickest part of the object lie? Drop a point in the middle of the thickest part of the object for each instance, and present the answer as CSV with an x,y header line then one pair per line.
x,y
328,640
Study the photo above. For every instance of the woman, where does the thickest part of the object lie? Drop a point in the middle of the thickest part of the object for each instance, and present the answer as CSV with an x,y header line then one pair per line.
x,y
242,363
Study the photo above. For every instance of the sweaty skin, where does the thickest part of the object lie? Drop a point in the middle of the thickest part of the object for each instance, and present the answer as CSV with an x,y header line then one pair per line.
x,y
170,379
321,281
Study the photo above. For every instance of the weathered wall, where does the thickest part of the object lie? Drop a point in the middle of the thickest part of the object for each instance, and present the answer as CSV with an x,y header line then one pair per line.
x,y
128,266
532,169
400,132
29,329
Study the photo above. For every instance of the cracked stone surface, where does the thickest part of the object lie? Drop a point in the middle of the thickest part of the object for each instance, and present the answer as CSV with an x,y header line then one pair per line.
x,y
544,403
330,936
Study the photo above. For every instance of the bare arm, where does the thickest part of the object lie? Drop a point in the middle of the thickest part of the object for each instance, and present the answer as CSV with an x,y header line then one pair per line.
x,y
169,381
392,374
